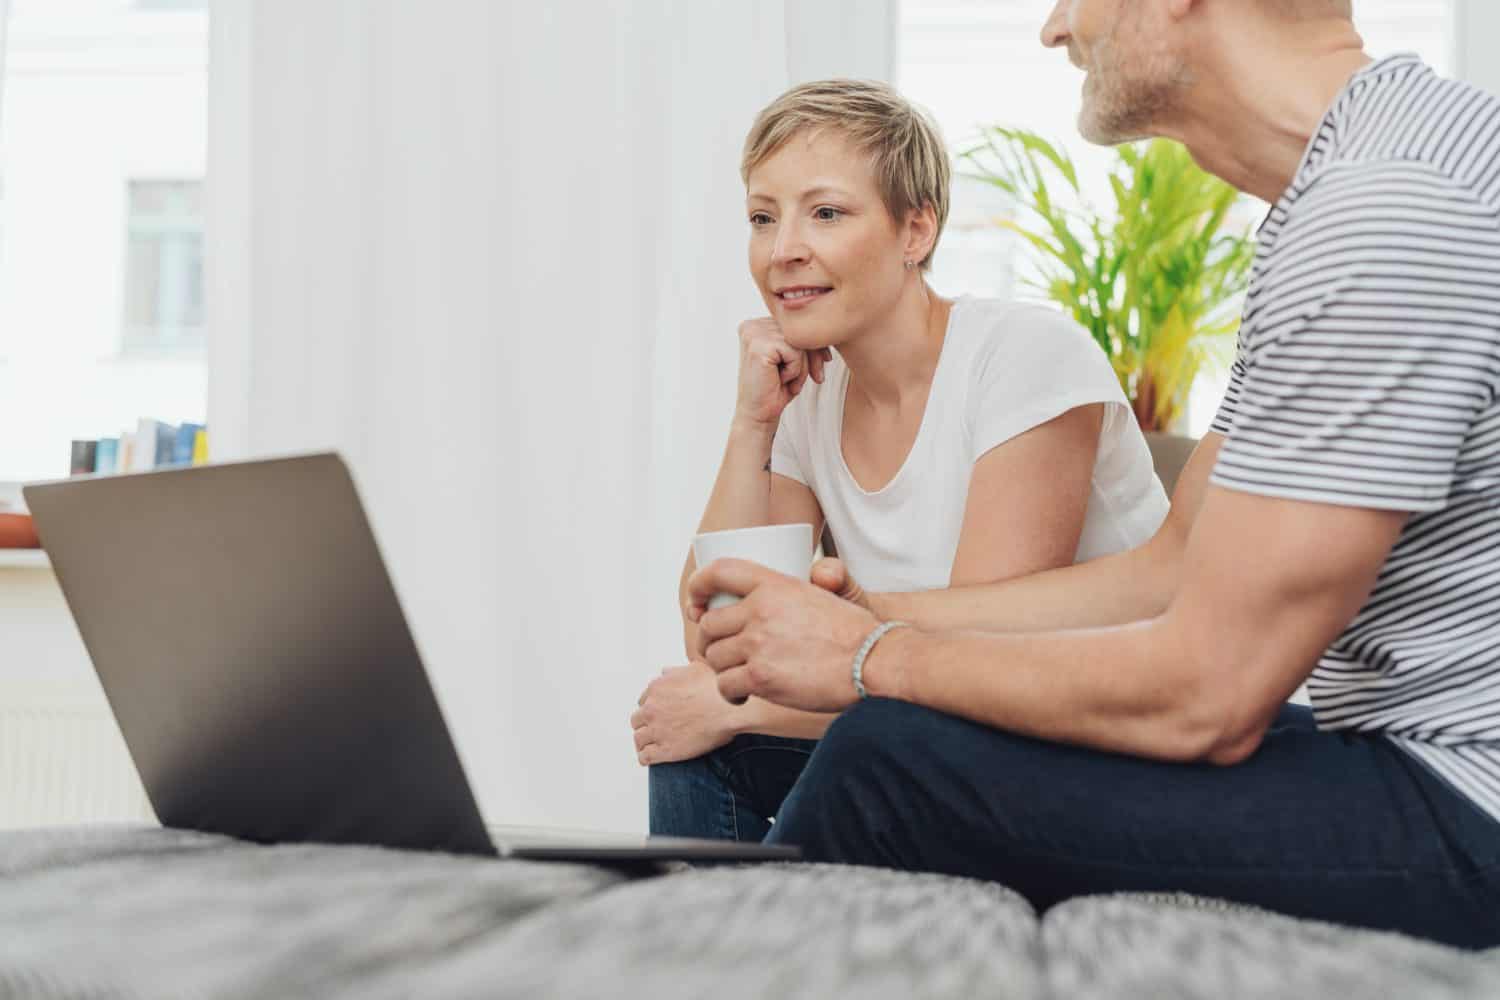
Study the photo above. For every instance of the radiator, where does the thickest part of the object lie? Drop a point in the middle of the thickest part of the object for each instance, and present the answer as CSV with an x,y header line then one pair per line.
x,y
62,760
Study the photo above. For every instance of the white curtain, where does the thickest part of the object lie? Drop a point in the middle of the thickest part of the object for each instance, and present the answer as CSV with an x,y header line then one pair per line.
x,y
4,23
494,254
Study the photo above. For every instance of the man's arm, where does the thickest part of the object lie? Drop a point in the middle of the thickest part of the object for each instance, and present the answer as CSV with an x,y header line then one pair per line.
x,y
1266,585
1126,587
1200,682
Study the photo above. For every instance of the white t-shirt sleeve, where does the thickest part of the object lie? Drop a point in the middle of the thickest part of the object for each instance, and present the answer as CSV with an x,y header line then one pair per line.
x,y
1034,364
789,447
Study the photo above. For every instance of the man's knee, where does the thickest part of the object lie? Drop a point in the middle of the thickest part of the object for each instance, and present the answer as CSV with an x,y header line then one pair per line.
x,y
896,732
852,788
868,727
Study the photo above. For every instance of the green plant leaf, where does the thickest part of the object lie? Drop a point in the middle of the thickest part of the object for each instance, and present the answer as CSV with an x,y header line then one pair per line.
x,y
1157,280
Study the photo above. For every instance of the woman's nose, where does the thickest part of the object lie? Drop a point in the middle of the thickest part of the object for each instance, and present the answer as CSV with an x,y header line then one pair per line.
x,y
789,248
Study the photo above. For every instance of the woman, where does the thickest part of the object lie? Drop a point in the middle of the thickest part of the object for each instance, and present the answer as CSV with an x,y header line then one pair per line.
x,y
944,443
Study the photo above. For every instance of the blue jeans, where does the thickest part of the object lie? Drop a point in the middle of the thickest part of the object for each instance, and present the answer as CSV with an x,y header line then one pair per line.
x,y
1331,826
731,793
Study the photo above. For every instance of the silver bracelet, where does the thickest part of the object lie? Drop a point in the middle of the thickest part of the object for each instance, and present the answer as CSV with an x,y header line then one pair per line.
x,y
864,650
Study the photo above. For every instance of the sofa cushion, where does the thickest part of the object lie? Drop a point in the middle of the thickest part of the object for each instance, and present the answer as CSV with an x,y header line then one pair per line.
x,y
1184,947
780,931
107,911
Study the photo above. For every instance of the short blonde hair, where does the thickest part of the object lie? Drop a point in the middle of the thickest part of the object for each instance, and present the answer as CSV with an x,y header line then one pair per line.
x,y
910,160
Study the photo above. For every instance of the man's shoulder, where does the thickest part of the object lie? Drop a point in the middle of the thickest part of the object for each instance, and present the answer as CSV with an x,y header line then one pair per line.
x,y
1401,109
1384,183
1418,128
1390,209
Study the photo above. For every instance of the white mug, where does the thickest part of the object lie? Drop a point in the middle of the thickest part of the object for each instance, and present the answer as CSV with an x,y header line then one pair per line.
x,y
785,548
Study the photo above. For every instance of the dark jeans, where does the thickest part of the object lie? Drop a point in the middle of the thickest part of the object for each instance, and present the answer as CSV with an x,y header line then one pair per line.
x,y
1330,826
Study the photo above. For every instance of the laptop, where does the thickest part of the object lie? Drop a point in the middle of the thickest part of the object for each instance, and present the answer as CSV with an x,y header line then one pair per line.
x,y
254,653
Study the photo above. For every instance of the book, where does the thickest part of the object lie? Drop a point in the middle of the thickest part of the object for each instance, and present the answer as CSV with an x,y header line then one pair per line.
x,y
164,445
125,460
183,442
107,455
200,447
82,461
151,445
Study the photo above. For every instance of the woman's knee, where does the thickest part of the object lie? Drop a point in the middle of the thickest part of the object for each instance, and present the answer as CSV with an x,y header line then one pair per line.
x,y
686,799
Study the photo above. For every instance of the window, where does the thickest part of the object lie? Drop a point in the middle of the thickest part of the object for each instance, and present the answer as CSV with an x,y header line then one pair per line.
x,y
164,267
103,138
980,62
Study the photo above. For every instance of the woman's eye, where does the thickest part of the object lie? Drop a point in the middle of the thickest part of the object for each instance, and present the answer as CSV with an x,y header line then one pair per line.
x,y
827,214
760,219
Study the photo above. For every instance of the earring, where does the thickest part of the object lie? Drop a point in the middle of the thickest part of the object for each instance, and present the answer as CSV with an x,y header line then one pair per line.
x,y
910,264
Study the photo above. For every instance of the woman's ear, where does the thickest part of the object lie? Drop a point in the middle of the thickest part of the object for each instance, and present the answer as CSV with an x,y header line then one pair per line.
x,y
921,232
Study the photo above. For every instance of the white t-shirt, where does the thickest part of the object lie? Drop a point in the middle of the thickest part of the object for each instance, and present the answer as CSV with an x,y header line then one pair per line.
x,y
1004,368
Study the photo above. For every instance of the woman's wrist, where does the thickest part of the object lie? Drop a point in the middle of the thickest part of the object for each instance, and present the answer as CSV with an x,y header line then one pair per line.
x,y
747,718
752,431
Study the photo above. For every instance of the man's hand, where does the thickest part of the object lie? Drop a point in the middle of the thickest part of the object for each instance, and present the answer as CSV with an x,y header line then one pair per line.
x,y
789,642
681,716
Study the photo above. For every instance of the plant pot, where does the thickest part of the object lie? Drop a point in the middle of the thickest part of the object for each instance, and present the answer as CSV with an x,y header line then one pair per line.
x,y
1169,453
18,532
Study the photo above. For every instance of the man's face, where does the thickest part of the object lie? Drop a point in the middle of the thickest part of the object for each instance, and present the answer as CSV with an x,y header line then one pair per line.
x,y
1133,74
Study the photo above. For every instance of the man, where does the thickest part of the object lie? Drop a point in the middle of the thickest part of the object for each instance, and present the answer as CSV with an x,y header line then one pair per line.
x,y
1121,724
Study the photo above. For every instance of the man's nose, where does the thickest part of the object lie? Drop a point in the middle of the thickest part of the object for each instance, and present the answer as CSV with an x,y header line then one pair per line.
x,y
1055,31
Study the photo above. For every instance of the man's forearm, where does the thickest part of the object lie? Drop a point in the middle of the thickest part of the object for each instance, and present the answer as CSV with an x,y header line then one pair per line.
x,y
1130,689
1128,587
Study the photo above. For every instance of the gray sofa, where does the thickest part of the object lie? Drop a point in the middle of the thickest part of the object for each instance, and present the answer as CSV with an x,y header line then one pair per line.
x,y
142,912
125,912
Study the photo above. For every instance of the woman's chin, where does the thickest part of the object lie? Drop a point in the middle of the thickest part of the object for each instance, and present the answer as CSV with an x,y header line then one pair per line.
x,y
810,337
812,343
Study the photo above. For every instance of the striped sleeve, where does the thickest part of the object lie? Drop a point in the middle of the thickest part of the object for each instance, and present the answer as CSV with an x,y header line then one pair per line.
x,y
1224,417
1378,347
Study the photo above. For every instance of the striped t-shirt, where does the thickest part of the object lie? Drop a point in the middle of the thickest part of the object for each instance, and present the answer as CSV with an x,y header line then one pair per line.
x,y
1368,375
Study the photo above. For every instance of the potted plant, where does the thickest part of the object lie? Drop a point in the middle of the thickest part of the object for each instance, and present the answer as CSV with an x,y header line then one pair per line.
x,y
1157,279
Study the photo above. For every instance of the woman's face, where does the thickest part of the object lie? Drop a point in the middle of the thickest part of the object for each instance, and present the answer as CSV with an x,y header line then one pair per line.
x,y
827,256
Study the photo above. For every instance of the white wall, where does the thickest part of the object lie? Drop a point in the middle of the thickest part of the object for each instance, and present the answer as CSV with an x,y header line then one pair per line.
x,y
854,38
1477,33
494,254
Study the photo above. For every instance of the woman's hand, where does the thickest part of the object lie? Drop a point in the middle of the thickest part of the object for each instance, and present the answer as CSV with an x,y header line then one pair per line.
x,y
682,716
833,576
772,371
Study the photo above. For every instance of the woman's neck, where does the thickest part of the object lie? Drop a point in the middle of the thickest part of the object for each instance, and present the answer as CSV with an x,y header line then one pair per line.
x,y
894,361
